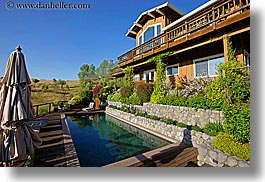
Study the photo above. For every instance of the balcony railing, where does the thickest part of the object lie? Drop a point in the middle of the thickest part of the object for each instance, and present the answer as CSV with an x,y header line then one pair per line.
x,y
215,14
115,70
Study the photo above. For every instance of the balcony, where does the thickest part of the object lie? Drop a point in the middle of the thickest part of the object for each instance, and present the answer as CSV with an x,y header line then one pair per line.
x,y
219,15
116,71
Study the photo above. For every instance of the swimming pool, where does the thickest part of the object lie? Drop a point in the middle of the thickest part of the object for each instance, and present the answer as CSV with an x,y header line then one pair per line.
x,y
100,139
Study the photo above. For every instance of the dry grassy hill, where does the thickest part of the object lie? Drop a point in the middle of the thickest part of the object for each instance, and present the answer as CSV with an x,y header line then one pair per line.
x,y
48,91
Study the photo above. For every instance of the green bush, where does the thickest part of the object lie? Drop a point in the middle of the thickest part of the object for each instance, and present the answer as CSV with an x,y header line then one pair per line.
x,y
228,144
169,100
169,121
144,91
197,102
115,97
154,118
182,125
237,121
134,99
196,128
75,100
86,95
126,91
213,129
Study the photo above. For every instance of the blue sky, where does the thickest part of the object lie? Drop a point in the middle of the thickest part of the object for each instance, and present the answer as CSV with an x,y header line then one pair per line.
x,y
57,42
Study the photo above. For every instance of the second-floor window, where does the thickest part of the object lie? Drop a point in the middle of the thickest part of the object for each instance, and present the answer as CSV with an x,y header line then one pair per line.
x,y
149,33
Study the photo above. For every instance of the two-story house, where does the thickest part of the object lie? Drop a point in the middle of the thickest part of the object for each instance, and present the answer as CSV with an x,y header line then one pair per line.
x,y
198,40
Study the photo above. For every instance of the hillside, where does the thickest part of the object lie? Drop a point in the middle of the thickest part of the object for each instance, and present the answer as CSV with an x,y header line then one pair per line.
x,y
48,91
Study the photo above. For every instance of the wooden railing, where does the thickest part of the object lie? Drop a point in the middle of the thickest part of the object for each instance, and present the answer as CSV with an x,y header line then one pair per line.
x,y
48,105
216,13
115,70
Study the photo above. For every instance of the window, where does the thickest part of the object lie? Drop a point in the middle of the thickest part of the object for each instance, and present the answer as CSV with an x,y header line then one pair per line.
x,y
136,77
173,70
140,40
149,33
208,66
149,75
246,58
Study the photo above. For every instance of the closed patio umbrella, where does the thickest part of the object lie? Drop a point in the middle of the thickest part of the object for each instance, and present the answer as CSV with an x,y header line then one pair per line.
x,y
17,138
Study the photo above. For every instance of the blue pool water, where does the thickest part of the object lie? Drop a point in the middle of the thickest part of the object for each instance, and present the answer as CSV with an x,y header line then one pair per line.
x,y
101,139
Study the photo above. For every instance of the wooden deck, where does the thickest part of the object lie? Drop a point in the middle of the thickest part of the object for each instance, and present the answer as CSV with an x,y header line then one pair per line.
x,y
174,155
52,152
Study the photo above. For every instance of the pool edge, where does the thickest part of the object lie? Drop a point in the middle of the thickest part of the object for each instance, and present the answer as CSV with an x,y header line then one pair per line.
x,y
146,129
70,151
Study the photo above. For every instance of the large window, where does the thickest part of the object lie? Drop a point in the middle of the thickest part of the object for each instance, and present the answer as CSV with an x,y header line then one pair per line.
x,y
208,66
173,70
149,33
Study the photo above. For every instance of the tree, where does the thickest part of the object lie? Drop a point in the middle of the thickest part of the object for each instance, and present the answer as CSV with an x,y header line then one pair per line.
x,y
35,80
62,82
87,73
104,68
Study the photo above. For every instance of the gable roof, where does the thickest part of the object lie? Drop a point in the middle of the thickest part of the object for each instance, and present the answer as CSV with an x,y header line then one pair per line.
x,y
165,9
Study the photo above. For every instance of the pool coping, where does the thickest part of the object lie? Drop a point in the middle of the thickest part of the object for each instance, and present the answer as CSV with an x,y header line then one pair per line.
x,y
70,151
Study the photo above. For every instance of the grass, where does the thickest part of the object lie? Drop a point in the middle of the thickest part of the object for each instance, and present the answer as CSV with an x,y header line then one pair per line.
x,y
54,92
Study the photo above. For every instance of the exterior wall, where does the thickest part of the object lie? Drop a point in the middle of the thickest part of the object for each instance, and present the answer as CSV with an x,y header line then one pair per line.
x,y
201,141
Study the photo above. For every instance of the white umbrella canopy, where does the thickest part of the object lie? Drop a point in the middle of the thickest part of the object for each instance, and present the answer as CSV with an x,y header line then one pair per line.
x,y
17,138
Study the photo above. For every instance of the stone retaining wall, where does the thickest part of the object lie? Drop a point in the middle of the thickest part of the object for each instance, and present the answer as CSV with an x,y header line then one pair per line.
x,y
185,115
199,140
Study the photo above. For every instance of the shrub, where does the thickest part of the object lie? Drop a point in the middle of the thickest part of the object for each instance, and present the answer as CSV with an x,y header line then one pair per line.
x,y
195,87
213,129
126,91
134,99
45,87
180,101
196,128
182,125
154,118
75,100
168,100
86,95
228,144
197,102
144,91
237,121
104,92
169,121
115,97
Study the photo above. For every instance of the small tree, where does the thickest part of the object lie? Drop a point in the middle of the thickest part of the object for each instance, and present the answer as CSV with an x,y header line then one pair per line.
x,y
62,82
35,80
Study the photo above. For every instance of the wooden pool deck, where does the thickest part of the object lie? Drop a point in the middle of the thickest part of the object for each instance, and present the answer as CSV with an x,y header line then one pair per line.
x,y
52,152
